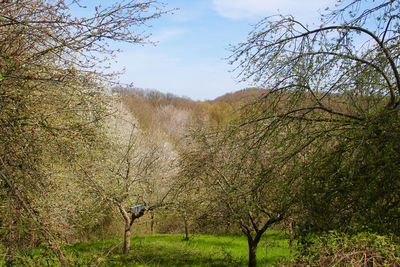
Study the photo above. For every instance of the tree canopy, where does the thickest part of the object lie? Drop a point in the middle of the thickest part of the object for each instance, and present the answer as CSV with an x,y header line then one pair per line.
x,y
336,87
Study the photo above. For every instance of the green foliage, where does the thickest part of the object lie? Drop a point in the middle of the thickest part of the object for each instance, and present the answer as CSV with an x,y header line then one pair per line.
x,y
353,183
337,249
38,256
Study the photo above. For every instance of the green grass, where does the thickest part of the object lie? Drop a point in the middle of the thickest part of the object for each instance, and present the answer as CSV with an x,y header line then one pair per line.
x,y
172,250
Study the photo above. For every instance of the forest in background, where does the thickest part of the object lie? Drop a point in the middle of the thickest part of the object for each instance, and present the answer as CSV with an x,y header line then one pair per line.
x,y
314,154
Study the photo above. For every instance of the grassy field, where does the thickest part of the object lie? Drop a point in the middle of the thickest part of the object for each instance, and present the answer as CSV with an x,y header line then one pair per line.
x,y
172,250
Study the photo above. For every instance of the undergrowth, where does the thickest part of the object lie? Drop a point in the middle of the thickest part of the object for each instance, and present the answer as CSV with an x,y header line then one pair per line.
x,y
338,249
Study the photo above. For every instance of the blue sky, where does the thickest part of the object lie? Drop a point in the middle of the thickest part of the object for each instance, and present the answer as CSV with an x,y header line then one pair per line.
x,y
193,44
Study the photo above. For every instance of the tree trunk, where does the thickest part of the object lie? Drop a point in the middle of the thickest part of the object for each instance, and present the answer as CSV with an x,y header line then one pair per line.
x,y
186,227
127,237
252,252
259,232
127,229
228,227
152,223
292,232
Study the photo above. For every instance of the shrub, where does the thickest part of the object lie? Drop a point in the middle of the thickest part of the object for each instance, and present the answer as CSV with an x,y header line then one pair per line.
x,y
338,249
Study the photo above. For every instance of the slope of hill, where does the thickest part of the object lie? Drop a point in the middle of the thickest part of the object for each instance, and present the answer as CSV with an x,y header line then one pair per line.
x,y
241,96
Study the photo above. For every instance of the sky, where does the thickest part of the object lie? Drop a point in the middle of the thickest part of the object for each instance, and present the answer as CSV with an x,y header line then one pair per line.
x,y
190,58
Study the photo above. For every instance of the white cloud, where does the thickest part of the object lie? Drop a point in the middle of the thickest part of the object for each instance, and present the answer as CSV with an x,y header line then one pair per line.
x,y
238,9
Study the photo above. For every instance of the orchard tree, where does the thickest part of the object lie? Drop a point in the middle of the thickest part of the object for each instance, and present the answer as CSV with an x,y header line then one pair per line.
x,y
337,87
51,85
136,170
243,184
188,204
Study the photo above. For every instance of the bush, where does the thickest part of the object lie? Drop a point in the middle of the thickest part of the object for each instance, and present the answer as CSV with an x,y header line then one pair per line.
x,y
338,249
